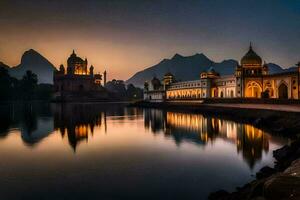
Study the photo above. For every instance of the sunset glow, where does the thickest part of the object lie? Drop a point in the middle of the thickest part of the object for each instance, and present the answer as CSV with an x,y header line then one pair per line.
x,y
124,37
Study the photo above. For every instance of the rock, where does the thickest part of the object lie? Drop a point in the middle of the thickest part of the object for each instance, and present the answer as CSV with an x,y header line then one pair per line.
x,y
257,189
258,198
298,153
295,145
282,153
280,183
219,195
294,169
265,172
284,185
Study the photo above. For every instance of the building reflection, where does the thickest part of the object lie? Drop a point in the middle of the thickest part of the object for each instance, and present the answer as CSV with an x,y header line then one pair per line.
x,y
77,122
250,142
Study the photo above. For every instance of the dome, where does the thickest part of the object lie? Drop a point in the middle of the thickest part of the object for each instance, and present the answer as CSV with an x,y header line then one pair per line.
x,y
155,82
168,74
74,58
251,58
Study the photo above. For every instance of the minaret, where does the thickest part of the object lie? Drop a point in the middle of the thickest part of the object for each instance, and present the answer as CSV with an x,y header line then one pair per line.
x,y
104,78
62,69
92,70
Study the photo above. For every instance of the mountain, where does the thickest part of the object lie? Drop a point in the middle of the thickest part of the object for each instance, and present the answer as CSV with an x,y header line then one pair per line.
x,y
4,65
190,67
274,69
183,68
32,60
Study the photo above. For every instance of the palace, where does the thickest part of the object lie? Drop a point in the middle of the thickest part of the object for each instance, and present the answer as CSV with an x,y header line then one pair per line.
x,y
250,80
77,82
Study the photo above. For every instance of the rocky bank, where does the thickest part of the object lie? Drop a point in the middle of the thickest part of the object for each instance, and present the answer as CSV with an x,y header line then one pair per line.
x,y
279,183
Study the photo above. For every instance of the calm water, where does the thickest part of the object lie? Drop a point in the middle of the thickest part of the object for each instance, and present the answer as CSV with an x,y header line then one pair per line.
x,y
112,152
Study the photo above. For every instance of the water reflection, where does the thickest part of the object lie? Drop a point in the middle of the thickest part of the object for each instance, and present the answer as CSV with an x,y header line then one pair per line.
x,y
34,121
77,122
131,153
251,142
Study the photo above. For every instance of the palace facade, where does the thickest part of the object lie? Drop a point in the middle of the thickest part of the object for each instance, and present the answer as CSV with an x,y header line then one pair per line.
x,y
250,80
78,81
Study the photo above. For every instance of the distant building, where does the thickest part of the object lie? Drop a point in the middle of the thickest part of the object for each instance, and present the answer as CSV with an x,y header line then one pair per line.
x,y
251,80
78,82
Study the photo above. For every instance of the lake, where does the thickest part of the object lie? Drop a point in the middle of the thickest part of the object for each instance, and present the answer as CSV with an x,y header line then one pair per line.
x,y
110,151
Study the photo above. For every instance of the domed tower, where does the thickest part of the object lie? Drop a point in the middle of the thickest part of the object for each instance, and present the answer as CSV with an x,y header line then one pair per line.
x,y
168,79
250,75
251,63
209,74
156,84
76,65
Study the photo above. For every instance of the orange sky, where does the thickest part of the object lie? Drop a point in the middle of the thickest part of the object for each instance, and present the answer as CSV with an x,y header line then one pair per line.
x,y
126,36
120,59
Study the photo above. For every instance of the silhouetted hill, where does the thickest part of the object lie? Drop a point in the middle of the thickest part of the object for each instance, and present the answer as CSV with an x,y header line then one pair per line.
x,y
32,60
4,65
183,67
190,67
273,68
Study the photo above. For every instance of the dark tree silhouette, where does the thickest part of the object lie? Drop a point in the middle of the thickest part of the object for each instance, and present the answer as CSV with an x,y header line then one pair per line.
x,y
28,85
5,84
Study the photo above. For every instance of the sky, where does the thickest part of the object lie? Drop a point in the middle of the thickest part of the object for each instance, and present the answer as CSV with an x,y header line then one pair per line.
x,y
126,36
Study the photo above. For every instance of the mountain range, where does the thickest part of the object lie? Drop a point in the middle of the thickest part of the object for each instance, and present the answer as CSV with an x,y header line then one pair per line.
x,y
38,64
190,67
183,68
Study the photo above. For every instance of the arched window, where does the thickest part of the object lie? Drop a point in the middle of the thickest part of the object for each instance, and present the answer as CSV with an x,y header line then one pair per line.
x,y
253,89
283,91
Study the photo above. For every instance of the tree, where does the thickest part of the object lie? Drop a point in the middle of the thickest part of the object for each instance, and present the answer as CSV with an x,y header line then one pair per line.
x,y
5,84
28,85
117,87
134,92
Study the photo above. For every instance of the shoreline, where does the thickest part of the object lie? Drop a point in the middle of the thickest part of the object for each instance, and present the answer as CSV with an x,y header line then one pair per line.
x,y
280,182
282,122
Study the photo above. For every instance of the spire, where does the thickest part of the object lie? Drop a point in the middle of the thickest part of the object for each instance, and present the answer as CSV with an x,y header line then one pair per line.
x,y
73,53
91,70
250,45
104,81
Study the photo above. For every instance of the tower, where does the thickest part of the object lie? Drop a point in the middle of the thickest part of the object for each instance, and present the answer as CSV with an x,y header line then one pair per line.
x,y
252,73
168,79
62,69
91,70
104,78
251,63
239,81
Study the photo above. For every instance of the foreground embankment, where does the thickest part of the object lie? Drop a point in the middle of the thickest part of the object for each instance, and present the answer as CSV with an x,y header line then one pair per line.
x,y
284,119
277,183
